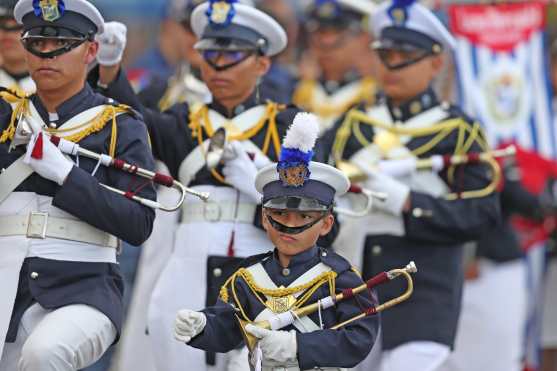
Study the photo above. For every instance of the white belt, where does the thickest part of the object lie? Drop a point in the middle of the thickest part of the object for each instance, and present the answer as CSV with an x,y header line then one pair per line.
x,y
297,368
218,212
40,225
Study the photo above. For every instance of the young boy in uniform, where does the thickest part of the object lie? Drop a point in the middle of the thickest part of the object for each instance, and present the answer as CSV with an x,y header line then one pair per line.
x,y
297,203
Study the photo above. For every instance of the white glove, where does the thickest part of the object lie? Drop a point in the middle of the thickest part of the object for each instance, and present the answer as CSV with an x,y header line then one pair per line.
x,y
112,43
277,346
188,324
396,191
240,170
53,165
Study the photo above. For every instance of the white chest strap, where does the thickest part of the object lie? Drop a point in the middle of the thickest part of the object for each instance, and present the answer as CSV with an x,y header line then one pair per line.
x,y
18,171
195,160
262,279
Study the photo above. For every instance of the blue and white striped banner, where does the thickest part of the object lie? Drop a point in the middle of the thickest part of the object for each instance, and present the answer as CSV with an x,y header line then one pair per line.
x,y
503,72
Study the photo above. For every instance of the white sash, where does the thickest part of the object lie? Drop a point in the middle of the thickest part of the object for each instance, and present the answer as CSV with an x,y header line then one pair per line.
x,y
262,279
27,85
74,124
195,160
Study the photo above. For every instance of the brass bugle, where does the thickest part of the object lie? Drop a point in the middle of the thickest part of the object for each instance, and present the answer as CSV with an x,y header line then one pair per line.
x,y
401,167
285,319
74,149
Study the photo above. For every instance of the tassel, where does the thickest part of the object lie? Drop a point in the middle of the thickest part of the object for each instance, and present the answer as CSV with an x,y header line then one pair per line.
x,y
37,152
231,245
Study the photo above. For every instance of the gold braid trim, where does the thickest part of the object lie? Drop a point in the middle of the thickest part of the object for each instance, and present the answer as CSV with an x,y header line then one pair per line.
x,y
92,126
95,125
354,118
304,97
311,286
199,122
21,106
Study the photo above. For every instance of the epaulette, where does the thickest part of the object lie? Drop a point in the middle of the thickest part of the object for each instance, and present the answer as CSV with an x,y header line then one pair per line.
x,y
129,110
338,263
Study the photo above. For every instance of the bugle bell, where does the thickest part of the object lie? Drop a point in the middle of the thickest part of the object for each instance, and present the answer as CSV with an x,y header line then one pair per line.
x,y
216,148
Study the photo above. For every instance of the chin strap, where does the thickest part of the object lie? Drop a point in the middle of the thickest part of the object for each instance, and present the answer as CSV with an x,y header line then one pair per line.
x,y
293,230
399,66
218,68
57,52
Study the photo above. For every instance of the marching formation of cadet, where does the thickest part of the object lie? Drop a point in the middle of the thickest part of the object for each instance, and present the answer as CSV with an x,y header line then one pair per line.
x,y
302,197
60,226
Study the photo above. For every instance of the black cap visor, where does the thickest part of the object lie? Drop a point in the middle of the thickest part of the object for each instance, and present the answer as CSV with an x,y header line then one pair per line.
x,y
396,56
295,203
233,34
37,39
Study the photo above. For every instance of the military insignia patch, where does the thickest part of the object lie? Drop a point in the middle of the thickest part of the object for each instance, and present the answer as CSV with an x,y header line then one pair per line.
x,y
49,10
327,9
281,305
398,15
220,13
294,176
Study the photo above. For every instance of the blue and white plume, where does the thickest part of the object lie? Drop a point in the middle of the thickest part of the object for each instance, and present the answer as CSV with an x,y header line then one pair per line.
x,y
297,150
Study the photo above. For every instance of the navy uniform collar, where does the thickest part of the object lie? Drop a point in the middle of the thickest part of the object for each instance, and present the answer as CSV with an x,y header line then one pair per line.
x,y
70,108
251,102
299,264
420,103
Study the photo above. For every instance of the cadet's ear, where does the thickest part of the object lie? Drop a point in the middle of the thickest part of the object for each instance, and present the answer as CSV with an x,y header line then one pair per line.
x,y
263,65
264,221
92,50
437,63
327,224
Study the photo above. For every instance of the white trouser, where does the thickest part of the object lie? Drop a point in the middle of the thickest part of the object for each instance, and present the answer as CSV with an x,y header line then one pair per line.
x,y
491,325
415,356
66,339
182,282
549,327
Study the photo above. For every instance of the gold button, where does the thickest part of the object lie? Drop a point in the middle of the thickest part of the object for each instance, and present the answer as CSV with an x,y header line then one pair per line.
x,y
285,272
217,272
34,275
376,250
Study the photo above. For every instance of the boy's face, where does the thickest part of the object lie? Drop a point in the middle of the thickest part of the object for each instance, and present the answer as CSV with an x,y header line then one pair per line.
x,y
407,82
293,244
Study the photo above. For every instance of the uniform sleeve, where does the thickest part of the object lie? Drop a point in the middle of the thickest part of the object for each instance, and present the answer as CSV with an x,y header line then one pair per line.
x,y
222,332
84,197
441,221
347,346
